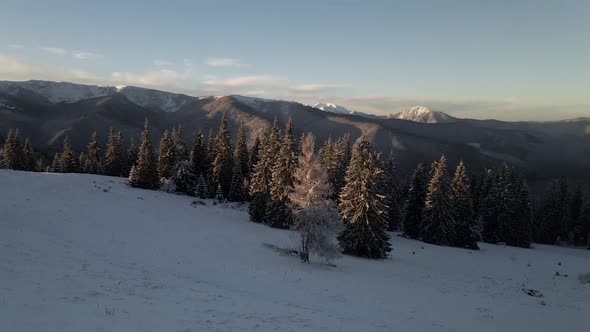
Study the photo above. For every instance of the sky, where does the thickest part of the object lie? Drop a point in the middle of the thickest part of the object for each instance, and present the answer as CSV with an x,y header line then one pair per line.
x,y
509,60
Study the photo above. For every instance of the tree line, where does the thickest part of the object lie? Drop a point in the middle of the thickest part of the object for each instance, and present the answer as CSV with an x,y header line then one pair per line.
x,y
342,197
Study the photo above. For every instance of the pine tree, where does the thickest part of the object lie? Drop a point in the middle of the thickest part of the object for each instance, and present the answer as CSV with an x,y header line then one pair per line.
x,y
241,155
553,227
167,156
145,173
131,155
260,181
576,206
93,157
198,156
253,156
438,224
13,154
498,208
55,164
28,161
219,194
485,183
316,218
113,163
201,188
81,162
237,190
412,223
334,159
521,224
362,207
68,161
466,232
184,179
223,161
178,140
391,190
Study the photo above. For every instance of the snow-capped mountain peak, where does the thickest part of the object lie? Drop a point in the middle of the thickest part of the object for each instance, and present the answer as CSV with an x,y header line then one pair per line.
x,y
333,108
423,114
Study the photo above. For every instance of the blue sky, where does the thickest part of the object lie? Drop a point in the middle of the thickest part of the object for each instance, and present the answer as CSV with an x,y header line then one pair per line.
x,y
503,59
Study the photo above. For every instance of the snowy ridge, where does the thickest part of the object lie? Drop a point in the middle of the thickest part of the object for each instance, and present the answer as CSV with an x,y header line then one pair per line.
x,y
337,109
58,92
423,114
70,264
155,99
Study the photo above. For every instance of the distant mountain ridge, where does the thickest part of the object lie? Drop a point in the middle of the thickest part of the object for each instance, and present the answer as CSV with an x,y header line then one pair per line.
x,y
48,111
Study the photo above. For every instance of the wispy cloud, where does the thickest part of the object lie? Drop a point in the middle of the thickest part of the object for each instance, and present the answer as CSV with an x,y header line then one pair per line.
x,y
312,88
86,55
162,63
54,50
241,82
224,62
16,46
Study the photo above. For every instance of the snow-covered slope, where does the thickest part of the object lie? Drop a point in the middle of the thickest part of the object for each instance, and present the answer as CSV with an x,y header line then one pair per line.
x,y
88,253
57,92
423,114
333,108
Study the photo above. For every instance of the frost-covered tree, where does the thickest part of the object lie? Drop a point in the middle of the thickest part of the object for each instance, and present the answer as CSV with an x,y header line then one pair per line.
x,y
183,178
198,156
392,199
316,218
499,208
93,157
576,206
167,156
113,162
521,224
68,161
335,160
201,187
412,221
12,151
81,161
237,190
223,162
253,156
178,141
145,173
241,155
131,157
362,207
28,163
438,224
553,226
260,181
55,164
466,232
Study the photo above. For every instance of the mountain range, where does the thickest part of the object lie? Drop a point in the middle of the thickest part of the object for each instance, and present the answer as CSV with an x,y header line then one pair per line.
x,y
47,112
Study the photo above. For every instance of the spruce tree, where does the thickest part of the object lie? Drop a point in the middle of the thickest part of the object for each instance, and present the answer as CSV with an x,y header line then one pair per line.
x,y
576,206
362,207
498,208
521,224
241,155
391,191
466,232
113,163
184,179
438,223
145,173
415,201
201,188
198,156
13,154
68,161
167,156
260,181
178,140
223,161
237,190
28,163
253,156
93,157
81,162
131,156
55,164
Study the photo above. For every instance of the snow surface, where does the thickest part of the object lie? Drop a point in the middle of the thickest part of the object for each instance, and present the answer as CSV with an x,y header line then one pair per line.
x,y
88,253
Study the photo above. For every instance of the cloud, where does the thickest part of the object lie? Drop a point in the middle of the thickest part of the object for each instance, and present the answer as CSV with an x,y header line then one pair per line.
x,y
242,82
161,63
54,50
312,88
17,70
86,55
16,46
223,62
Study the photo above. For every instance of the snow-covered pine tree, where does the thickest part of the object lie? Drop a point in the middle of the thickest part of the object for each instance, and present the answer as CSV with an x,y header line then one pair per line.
x,y
498,208
392,199
28,161
438,223
237,190
178,140
167,156
93,157
55,164
145,173
81,162
241,155
554,219
183,177
521,224
201,188
576,206
278,213
412,222
68,161
466,231
253,156
362,207
260,181
131,157
219,194
211,148
114,158
13,154
335,161
316,218
223,162
198,156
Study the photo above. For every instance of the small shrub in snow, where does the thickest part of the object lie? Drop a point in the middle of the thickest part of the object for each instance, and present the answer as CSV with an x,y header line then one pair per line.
x,y
168,185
